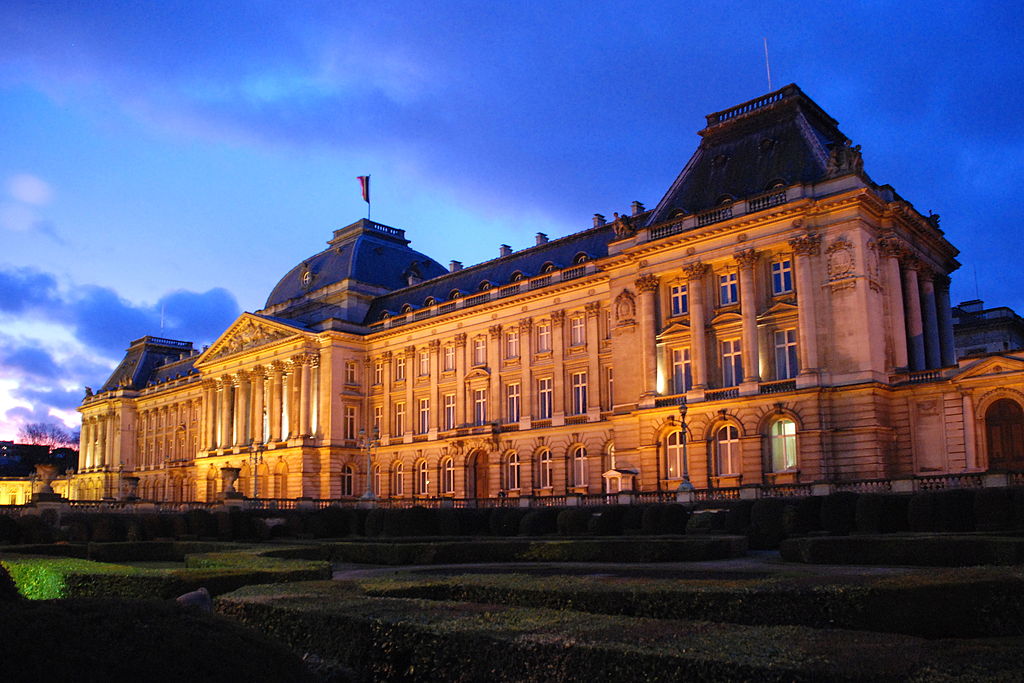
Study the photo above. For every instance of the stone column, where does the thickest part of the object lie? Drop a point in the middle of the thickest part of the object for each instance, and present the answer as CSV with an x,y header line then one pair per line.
x,y
746,260
460,378
259,377
112,433
557,354
948,354
912,307
526,362
412,411
436,404
892,250
805,248
389,411
647,285
276,390
208,430
929,314
305,386
593,365
243,408
85,445
225,421
695,273
494,410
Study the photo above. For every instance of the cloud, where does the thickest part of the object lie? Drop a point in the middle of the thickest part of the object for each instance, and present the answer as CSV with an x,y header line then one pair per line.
x,y
26,290
32,362
29,189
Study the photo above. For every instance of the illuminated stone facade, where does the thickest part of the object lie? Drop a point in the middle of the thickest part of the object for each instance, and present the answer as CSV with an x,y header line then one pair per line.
x,y
799,310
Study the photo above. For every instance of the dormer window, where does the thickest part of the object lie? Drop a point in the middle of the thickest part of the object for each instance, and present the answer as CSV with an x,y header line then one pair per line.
x,y
406,308
429,301
484,286
454,294
548,267
516,276
579,258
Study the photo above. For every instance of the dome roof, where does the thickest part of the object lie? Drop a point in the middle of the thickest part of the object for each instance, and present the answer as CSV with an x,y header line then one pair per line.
x,y
367,252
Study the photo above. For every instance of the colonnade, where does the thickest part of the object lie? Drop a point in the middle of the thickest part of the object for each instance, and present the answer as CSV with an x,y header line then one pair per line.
x,y
97,441
168,432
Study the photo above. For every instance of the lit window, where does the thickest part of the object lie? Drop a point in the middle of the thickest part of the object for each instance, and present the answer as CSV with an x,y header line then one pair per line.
x,y
449,357
675,455
682,378
609,378
512,344
577,331
347,477
350,372
479,406
378,373
727,450
449,411
732,363
680,300
448,475
545,470
378,417
424,415
579,466
783,443
727,289
400,368
376,480
399,419
545,396
350,422
479,351
424,363
512,472
786,366
543,337
512,402
398,481
579,393
782,276
422,478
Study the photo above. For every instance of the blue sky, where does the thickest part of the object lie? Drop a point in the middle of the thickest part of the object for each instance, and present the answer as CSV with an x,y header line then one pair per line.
x,y
169,161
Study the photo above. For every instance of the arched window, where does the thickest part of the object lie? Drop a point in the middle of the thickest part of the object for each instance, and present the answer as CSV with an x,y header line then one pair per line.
x,y
406,308
422,478
1004,431
398,481
579,466
347,483
547,267
512,472
454,294
545,471
727,450
429,301
783,445
675,455
448,475
385,315
516,277
579,258
376,480
484,286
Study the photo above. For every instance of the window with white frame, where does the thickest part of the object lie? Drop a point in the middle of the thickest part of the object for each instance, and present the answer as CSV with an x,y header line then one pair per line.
x,y
545,398
782,276
577,330
607,323
545,469
350,372
512,472
675,455
609,381
449,411
543,337
350,422
376,480
399,419
783,445
398,480
786,366
728,292
727,450
400,367
679,299
378,373
378,419
449,357
479,351
424,363
480,406
579,466
448,475
682,370
347,480
512,402
512,344
422,478
579,393
424,423
732,363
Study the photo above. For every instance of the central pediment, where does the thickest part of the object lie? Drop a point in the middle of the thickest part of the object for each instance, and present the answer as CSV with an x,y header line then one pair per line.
x,y
247,333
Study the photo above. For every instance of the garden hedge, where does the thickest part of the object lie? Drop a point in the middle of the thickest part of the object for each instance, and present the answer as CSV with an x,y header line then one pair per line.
x,y
934,550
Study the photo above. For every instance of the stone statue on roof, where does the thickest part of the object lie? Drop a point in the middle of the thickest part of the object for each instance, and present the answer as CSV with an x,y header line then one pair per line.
x,y
844,158
623,226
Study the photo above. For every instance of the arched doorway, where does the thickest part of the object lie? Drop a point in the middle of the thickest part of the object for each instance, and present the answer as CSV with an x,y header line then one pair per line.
x,y
1004,431
476,475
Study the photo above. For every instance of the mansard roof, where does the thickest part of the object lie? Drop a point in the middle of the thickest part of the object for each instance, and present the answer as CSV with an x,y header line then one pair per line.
x,y
779,139
151,359
560,253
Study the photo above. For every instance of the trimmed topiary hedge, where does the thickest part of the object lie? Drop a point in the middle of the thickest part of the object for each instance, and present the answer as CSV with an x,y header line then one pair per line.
x,y
839,512
8,590
920,550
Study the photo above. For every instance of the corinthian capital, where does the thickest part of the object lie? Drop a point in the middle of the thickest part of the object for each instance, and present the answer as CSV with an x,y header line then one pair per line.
x,y
695,271
647,283
806,245
892,246
746,258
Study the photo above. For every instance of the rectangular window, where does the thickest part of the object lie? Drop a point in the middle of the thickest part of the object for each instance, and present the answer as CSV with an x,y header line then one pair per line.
x,y
479,351
786,366
577,331
512,402
350,372
449,357
545,398
424,363
400,368
579,393
512,344
378,373
378,418
609,378
479,407
782,276
449,411
399,429
680,300
682,379
424,415
543,337
732,363
727,289
350,422
607,323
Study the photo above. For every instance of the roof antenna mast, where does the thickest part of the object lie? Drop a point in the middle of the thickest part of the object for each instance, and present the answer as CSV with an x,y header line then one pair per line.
x,y
767,65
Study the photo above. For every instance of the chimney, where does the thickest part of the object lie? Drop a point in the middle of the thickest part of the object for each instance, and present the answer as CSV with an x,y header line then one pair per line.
x,y
638,208
598,220
541,238
504,250
454,266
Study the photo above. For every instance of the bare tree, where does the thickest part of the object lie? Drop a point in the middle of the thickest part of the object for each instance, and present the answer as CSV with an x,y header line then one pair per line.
x,y
46,434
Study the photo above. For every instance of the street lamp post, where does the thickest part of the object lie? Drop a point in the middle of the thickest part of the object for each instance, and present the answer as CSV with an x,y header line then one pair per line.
x,y
368,443
685,485
255,460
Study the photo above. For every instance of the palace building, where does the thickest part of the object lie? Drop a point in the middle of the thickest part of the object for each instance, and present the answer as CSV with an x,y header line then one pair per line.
x,y
778,318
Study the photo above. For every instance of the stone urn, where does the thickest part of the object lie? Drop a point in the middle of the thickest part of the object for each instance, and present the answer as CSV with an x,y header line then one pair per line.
x,y
130,488
229,475
46,473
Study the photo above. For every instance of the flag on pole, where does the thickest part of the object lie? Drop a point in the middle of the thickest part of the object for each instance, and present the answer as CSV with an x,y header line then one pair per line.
x,y
364,185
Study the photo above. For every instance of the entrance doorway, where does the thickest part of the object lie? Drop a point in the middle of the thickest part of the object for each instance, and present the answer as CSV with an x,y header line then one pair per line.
x,y
1004,430
476,475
